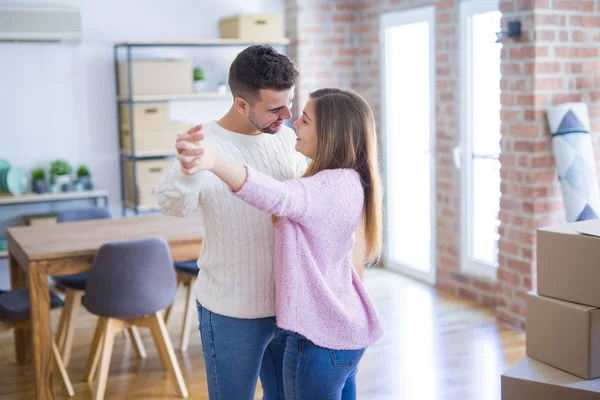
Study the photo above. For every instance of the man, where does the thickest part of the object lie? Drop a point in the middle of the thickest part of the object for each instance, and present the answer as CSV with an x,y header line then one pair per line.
x,y
235,289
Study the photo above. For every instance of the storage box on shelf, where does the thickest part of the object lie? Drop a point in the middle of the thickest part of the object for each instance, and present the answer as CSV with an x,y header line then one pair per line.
x,y
252,27
156,77
147,175
144,89
155,132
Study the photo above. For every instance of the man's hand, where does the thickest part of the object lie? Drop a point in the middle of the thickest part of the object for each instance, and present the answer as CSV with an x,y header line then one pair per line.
x,y
193,153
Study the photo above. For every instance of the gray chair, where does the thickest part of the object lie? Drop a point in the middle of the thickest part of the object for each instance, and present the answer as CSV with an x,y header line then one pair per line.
x,y
187,272
74,287
129,284
15,311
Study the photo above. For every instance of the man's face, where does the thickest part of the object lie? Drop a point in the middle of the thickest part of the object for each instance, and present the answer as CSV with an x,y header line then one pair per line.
x,y
271,109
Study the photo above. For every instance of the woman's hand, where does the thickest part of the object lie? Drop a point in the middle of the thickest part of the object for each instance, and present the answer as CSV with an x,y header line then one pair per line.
x,y
193,153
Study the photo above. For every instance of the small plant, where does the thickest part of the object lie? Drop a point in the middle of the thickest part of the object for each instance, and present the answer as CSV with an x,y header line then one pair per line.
x,y
60,167
83,171
198,74
38,174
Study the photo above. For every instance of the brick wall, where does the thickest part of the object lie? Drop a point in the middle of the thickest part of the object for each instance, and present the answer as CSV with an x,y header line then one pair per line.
x,y
556,60
324,44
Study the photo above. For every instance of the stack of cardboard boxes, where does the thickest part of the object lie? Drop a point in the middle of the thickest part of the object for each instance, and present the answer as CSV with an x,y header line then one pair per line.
x,y
563,319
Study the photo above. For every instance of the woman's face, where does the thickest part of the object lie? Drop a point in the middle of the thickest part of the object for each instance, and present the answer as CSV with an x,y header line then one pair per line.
x,y
306,131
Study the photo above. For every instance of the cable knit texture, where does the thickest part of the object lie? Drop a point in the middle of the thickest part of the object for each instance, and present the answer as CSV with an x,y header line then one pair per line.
x,y
318,293
235,263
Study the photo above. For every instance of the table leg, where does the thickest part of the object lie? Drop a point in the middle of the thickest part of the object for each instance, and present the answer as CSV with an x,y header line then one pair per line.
x,y
42,340
18,280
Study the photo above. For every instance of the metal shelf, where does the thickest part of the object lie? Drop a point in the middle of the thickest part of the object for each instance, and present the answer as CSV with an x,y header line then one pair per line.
x,y
131,155
205,43
45,197
175,97
149,155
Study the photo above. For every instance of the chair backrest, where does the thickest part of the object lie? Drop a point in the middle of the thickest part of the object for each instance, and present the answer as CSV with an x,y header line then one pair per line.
x,y
82,214
130,279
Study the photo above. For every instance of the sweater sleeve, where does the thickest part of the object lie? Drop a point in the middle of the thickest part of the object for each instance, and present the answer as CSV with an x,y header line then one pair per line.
x,y
303,199
178,194
289,198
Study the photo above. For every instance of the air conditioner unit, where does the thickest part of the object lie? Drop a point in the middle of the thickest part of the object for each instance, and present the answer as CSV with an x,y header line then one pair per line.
x,y
39,24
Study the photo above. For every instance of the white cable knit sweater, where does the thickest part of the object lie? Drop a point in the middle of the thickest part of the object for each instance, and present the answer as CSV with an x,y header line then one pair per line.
x,y
235,262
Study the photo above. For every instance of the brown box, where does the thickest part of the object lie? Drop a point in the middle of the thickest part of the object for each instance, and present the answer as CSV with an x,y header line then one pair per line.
x,y
529,379
40,219
148,173
564,335
252,27
568,262
157,77
153,142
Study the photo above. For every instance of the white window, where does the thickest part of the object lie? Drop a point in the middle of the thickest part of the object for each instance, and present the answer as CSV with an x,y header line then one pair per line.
x,y
408,140
480,136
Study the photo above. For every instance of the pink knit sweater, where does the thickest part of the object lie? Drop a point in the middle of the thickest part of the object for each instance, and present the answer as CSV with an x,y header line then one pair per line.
x,y
318,293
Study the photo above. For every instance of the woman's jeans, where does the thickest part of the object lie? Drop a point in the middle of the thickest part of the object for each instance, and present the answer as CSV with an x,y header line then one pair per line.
x,y
238,351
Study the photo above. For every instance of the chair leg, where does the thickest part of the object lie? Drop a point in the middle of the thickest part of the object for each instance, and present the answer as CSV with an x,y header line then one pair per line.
x,y
64,316
188,317
69,329
112,327
64,380
95,350
167,311
138,345
167,355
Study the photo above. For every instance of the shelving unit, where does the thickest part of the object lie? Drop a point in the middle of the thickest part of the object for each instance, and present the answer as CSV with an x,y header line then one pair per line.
x,y
134,156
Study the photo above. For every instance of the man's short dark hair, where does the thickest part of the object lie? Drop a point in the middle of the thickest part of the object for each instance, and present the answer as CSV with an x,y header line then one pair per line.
x,y
260,67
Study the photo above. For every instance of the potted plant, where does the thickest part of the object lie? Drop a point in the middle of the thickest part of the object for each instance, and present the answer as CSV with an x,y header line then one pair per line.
x,y
60,175
38,180
84,179
199,80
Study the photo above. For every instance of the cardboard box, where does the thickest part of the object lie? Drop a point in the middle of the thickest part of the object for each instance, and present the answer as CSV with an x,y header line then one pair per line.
x,y
564,335
148,173
157,77
568,262
529,379
252,27
40,219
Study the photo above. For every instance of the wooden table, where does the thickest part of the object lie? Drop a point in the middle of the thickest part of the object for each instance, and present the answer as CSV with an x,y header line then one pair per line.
x,y
37,252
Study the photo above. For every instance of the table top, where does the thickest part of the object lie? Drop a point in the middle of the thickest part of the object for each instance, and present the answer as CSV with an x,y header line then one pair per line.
x,y
48,242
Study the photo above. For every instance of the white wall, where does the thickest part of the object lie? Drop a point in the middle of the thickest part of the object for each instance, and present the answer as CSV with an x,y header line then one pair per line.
x,y
58,100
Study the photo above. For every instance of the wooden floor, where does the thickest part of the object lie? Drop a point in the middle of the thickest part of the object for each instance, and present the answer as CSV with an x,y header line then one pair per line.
x,y
435,347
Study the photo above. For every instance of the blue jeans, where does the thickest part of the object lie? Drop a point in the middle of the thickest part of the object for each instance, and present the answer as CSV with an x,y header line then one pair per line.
x,y
237,351
311,372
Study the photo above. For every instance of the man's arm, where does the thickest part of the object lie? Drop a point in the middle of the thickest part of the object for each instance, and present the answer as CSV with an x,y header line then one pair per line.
x,y
178,192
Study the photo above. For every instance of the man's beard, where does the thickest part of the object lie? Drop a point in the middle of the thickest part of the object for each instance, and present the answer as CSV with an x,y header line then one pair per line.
x,y
263,129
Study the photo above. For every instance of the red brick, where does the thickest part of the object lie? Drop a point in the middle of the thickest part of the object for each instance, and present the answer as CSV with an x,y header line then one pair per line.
x,y
521,266
550,19
346,7
574,5
347,51
344,63
549,83
576,52
545,35
343,18
585,83
334,40
444,4
524,130
579,36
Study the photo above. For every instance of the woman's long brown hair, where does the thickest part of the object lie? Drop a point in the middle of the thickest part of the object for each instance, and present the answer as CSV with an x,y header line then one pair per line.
x,y
346,138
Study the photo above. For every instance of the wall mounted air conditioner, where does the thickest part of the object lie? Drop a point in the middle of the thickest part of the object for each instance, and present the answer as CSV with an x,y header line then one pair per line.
x,y
39,24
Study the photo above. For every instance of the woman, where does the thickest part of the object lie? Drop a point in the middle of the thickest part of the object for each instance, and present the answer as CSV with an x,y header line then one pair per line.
x,y
321,304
